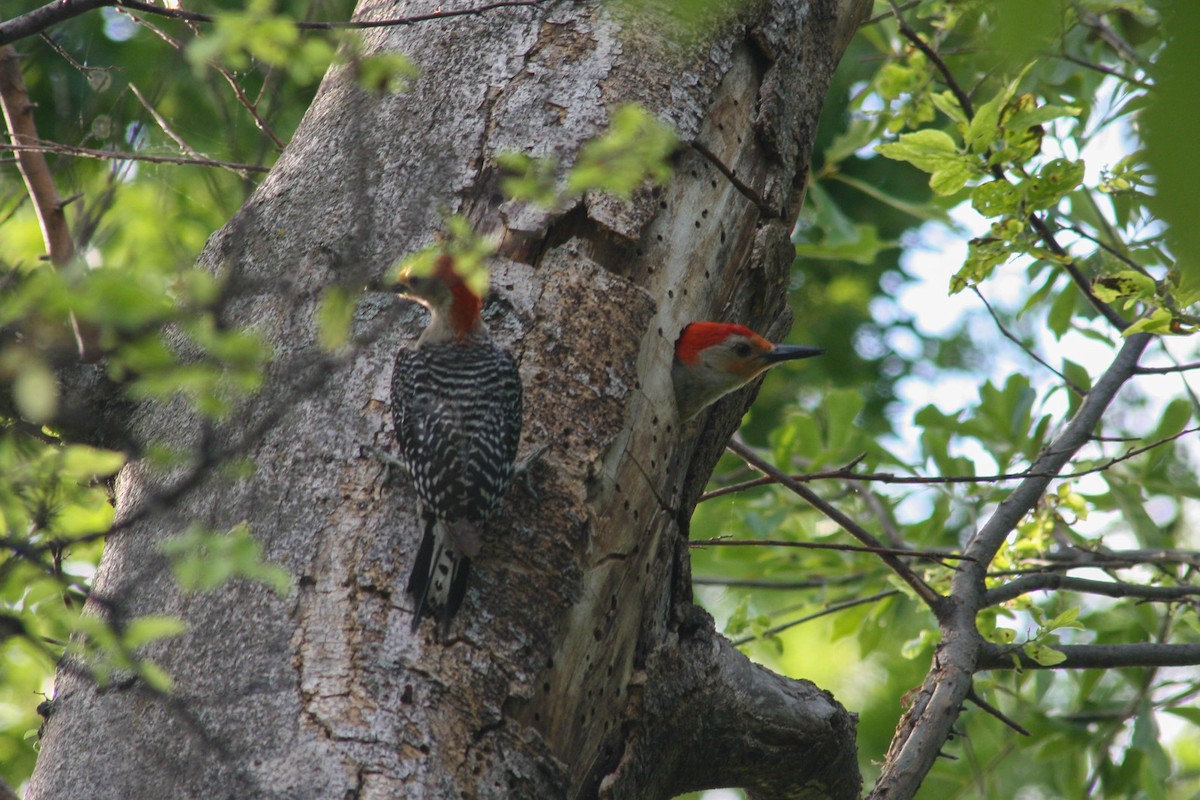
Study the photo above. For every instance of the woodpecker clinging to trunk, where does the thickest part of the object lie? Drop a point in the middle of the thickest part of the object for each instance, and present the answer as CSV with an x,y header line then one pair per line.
x,y
714,358
456,400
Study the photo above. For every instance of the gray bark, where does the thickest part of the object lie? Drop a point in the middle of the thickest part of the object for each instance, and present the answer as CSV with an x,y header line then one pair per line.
x,y
579,666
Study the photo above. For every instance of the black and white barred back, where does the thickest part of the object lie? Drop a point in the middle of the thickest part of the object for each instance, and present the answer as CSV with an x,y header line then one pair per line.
x,y
457,411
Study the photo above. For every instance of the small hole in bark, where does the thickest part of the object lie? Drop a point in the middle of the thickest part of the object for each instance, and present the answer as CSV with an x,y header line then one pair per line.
x,y
659,237
407,696
637,384
722,237
597,634
720,126
309,580
714,183
735,102
670,428
610,666
662,204
546,687
671,293
639,251
739,142
612,603
647,567
656,191
550,663
626,505
685,291
706,275
424,749
617,486
697,223
650,270
660,333
693,174
704,214
537,717
635,511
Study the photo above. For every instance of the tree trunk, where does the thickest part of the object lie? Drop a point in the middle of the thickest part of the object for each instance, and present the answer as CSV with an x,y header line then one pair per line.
x,y
578,665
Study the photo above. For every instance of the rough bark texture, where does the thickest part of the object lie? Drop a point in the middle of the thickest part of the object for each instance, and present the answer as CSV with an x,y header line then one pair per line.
x,y
579,667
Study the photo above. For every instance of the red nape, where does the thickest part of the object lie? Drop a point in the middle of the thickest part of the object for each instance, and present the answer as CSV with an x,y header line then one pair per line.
x,y
699,336
465,305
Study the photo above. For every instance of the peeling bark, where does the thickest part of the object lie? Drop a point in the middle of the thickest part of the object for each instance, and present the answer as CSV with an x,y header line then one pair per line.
x,y
579,667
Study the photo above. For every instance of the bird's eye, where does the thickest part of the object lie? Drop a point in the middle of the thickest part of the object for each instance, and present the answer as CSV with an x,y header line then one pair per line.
x,y
741,350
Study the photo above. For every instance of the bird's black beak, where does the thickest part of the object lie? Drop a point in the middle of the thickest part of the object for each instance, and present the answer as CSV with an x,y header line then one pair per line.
x,y
790,352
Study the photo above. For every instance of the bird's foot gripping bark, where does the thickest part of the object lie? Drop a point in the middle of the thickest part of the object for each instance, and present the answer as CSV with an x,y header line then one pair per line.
x,y
394,465
522,469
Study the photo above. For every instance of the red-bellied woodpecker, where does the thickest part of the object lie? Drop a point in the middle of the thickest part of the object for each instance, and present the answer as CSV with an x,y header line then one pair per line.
x,y
714,358
456,400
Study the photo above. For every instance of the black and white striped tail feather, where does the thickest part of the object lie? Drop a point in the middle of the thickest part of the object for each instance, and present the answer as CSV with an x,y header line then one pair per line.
x,y
439,575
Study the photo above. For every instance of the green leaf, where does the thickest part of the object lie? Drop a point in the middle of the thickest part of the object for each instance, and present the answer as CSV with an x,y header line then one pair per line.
x,y
1044,655
996,198
636,148
151,628
334,315
83,463
928,150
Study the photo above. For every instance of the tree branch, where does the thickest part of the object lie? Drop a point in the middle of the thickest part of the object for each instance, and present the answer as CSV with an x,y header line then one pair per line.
x,y
1095,656
712,718
18,116
927,723
1052,580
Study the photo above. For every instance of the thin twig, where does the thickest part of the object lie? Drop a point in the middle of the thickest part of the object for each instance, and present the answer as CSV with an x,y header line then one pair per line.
x,y
115,155
889,477
58,11
923,590
1028,350
848,548
833,609
984,705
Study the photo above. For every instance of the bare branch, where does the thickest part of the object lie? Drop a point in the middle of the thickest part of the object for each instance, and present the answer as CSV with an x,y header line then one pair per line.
x,y
1095,656
175,137
18,116
832,609
1167,370
114,155
1078,390
984,705
58,11
930,555
844,473
1051,581
923,590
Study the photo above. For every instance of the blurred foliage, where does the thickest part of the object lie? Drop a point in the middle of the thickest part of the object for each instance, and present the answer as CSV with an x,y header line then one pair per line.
x,y
228,95
1076,112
